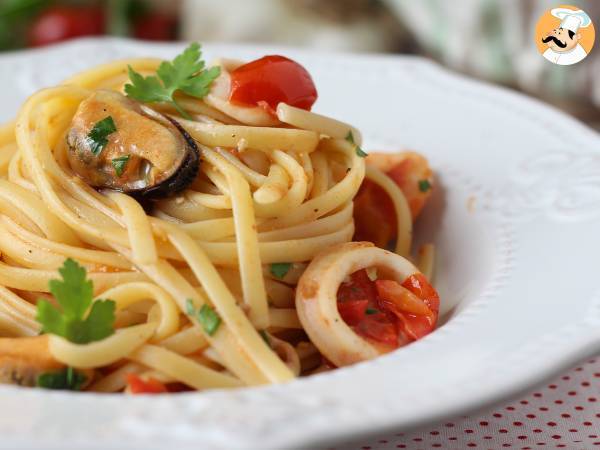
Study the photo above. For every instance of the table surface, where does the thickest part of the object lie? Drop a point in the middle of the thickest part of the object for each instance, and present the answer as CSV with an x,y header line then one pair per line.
x,y
565,413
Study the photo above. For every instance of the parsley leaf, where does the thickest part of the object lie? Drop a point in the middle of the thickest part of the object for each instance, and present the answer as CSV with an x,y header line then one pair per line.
x,y
266,338
74,294
98,137
370,311
209,319
280,270
119,164
359,151
424,185
67,379
186,73
189,307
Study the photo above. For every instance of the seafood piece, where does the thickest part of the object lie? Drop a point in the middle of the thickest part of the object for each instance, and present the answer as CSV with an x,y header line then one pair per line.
x,y
117,143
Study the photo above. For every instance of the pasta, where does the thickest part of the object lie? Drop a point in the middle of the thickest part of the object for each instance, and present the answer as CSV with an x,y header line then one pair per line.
x,y
223,246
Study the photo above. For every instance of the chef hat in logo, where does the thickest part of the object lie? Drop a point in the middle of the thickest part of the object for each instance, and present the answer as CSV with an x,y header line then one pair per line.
x,y
572,20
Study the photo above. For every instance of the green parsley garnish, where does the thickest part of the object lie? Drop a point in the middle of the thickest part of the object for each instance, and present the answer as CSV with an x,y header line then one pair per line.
x,y
371,311
265,337
98,137
68,379
189,307
185,73
72,320
119,164
359,151
280,270
424,185
209,319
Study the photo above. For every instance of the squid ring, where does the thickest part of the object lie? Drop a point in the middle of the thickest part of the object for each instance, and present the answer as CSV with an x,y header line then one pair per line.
x,y
316,298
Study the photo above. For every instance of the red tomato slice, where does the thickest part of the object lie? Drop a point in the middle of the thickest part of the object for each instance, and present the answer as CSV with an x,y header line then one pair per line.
x,y
380,328
396,297
271,80
418,285
354,297
360,287
416,320
353,311
387,311
139,386
59,23
415,316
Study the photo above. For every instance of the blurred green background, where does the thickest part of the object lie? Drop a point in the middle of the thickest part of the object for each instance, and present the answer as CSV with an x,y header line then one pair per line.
x,y
487,39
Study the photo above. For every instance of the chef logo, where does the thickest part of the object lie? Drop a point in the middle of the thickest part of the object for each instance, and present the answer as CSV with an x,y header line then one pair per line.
x,y
565,35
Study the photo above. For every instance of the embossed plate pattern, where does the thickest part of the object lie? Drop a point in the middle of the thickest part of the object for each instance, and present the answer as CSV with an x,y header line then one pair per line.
x,y
515,221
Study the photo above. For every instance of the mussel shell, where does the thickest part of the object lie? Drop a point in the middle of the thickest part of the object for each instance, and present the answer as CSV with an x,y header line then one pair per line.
x,y
163,158
181,179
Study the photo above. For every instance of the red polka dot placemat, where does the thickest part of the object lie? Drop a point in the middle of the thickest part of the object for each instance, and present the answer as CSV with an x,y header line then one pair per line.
x,y
562,414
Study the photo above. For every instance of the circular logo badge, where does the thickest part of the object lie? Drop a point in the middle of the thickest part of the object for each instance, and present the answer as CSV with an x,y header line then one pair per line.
x,y
565,35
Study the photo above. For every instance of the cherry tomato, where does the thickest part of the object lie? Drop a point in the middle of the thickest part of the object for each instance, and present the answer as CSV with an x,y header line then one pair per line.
x,y
353,311
397,297
149,386
416,316
354,298
379,327
155,27
385,310
270,80
60,23
359,287
418,285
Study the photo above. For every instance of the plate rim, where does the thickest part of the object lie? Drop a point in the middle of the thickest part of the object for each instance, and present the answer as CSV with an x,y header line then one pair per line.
x,y
586,343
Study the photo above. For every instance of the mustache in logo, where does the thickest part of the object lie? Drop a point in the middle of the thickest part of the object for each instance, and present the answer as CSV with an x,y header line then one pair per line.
x,y
556,41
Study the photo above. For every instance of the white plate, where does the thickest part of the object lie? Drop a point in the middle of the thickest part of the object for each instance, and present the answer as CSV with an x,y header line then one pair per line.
x,y
517,271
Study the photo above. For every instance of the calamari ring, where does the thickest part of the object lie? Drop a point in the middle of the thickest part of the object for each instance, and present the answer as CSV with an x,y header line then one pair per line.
x,y
316,298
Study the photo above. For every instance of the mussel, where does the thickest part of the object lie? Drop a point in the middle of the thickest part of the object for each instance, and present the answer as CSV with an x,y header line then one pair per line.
x,y
117,143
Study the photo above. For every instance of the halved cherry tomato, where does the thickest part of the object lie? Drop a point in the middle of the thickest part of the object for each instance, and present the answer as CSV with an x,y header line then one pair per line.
x,y
353,311
416,317
149,386
354,297
418,285
60,23
271,80
387,311
359,287
397,297
380,327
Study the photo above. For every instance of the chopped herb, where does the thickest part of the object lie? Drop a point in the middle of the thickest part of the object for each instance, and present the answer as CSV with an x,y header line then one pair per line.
x,y
424,185
185,73
371,311
68,379
75,320
359,151
189,307
98,137
265,337
280,270
119,164
209,319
